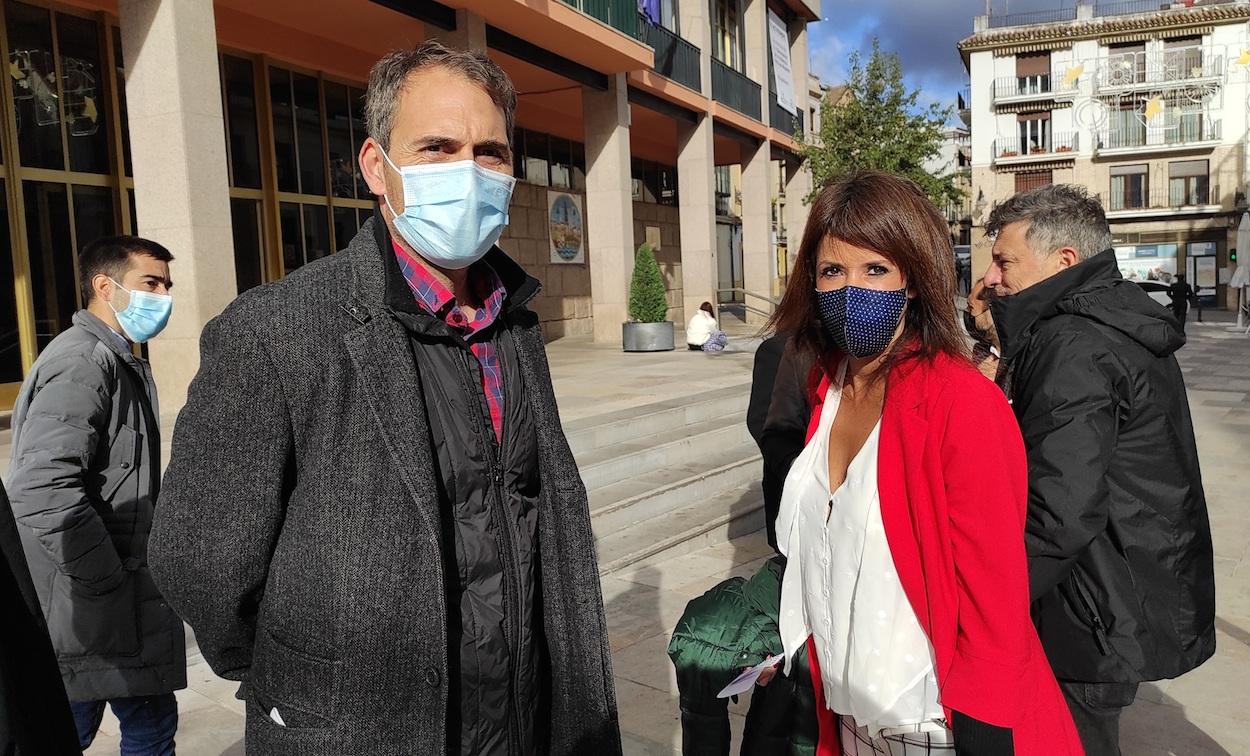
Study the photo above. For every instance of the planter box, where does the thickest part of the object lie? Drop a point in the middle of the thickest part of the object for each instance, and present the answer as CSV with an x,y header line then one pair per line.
x,y
647,337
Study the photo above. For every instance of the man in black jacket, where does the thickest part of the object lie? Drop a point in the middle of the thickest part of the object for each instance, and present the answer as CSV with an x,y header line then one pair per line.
x,y
1119,545
371,516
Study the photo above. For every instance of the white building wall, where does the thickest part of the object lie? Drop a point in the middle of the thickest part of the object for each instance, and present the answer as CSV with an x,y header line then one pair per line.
x,y
984,124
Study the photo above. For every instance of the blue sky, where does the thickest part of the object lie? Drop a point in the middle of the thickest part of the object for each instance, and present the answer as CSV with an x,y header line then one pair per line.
x,y
923,32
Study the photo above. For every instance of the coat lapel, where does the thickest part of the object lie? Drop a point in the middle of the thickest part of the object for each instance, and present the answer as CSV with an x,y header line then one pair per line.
x,y
383,359
903,433
382,356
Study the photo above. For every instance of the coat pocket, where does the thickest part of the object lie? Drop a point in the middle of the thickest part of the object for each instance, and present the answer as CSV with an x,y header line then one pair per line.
x,y
297,679
123,462
84,623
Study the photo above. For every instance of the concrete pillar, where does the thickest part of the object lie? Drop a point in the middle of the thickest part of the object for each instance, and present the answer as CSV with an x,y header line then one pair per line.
x,y
758,254
755,27
696,186
798,187
609,205
469,34
695,23
178,146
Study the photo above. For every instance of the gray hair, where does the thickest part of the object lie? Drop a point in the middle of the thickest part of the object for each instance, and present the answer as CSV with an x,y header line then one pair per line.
x,y
390,75
1059,215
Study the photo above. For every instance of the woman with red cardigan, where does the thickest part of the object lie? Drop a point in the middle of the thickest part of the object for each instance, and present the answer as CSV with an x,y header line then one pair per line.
x,y
903,519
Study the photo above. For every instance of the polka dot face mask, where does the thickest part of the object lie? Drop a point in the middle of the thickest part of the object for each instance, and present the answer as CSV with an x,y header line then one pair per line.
x,y
861,321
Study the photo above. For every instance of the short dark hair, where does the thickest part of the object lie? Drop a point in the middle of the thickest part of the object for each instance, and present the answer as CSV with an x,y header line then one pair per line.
x,y
1059,215
891,215
389,77
110,255
707,307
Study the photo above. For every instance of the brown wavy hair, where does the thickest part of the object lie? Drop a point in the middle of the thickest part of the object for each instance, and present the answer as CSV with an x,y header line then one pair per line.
x,y
892,216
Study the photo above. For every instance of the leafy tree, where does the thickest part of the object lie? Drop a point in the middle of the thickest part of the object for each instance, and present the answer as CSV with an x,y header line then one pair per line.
x,y
878,126
648,302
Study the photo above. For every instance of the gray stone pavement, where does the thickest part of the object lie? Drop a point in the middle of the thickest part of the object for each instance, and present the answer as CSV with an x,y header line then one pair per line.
x,y
1204,712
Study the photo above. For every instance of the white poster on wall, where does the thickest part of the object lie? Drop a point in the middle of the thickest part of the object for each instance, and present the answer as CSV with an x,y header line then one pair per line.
x,y
779,40
566,228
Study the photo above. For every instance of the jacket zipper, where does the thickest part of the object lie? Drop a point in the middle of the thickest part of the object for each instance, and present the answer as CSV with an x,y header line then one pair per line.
x,y
1095,619
512,568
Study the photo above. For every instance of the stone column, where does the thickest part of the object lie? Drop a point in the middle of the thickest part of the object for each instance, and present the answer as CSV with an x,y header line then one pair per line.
x,y
469,34
798,186
755,27
696,187
178,147
609,205
758,254
695,24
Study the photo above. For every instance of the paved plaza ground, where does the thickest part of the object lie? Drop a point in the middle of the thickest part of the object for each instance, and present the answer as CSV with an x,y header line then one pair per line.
x,y
1205,712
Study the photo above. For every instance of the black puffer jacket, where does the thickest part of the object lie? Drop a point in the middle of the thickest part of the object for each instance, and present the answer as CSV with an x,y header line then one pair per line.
x,y
1119,544
489,491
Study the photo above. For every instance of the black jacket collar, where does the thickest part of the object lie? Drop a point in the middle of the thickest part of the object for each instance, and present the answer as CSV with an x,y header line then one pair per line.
x,y
1016,316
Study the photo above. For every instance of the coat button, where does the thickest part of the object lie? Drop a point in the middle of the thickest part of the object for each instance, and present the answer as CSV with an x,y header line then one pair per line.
x,y
125,465
431,677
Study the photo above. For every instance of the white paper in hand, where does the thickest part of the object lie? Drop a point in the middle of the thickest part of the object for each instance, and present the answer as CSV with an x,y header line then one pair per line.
x,y
745,681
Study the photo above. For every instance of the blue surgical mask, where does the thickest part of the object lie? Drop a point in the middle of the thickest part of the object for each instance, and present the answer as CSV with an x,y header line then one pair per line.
x,y
862,322
453,212
145,316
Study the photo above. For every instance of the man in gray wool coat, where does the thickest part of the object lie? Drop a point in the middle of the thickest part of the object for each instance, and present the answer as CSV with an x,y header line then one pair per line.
x,y
372,518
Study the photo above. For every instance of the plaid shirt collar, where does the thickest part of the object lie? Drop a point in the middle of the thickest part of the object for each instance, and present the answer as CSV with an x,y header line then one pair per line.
x,y
435,298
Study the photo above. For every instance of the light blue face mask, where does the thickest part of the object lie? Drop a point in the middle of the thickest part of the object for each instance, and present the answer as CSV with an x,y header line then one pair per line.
x,y
145,316
453,212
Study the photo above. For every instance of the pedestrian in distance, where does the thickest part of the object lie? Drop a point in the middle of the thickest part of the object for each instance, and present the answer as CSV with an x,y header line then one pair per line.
x,y
372,518
906,574
1182,296
703,333
84,484
1121,568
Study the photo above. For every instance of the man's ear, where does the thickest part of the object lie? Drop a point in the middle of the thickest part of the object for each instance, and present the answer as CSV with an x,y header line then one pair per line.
x,y
1065,257
373,167
102,287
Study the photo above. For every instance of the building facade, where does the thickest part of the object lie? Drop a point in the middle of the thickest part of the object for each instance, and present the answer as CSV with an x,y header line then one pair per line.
x,y
228,130
1144,103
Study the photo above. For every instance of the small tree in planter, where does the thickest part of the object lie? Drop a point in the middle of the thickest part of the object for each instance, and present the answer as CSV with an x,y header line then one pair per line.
x,y
649,329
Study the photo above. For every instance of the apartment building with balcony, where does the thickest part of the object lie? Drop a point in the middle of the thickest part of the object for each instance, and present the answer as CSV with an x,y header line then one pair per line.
x,y
1143,103
229,129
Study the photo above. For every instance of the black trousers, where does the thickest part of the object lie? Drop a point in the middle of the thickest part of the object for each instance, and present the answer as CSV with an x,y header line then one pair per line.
x,y
1096,709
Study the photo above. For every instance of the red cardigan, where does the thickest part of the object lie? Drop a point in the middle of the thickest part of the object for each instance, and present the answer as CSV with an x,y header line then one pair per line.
x,y
953,484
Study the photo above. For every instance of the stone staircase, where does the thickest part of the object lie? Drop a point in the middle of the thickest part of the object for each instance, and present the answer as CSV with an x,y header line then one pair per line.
x,y
669,477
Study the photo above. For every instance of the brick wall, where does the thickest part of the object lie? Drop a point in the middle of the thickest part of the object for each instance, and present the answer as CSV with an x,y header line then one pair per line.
x,y
564,303
664,217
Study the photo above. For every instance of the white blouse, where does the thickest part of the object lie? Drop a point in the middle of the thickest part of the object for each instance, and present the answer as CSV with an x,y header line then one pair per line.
x,y
840,587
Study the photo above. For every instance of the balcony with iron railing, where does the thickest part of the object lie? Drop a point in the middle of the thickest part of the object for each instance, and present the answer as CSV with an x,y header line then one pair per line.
x,y
783,120
1032,18
1052,86
1014,149
735,90
621,15
1179,197
1178,67
1188,133
675,58
1131,7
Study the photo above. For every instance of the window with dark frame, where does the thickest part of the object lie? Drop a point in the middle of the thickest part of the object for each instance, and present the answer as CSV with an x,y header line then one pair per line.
x,y
1130,187
1188,183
